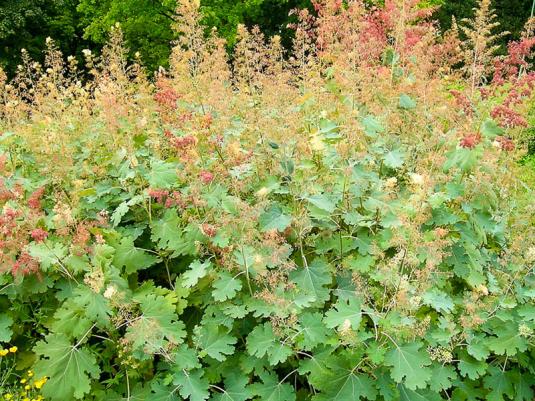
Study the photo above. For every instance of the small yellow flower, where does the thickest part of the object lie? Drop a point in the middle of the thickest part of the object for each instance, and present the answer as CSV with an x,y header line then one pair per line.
x,y
30,373
8,396
26,399
39,383
4,352
22,381
13,349
27,387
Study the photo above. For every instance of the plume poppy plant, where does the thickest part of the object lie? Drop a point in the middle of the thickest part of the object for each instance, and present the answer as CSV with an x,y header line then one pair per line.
x,y
346,219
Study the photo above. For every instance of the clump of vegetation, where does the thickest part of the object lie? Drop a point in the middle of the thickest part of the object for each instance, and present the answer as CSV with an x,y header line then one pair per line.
x,y
346,222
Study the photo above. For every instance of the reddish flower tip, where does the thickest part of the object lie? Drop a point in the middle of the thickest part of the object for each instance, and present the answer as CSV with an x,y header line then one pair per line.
x,y
39,235
206,177
470,141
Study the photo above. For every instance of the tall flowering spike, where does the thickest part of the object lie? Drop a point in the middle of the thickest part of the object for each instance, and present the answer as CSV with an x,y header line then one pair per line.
x,y
114,54
3,76
251,59
304,47
198,63
479,46
187,53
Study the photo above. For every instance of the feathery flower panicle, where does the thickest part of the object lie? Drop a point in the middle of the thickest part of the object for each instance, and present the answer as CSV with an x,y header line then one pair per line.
x,y
508,117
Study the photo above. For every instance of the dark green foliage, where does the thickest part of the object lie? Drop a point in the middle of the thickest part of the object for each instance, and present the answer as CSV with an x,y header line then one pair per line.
x,y
270,15
27,23
146,25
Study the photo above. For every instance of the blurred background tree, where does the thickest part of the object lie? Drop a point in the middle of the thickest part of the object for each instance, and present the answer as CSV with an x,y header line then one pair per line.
x,y
79,24
146,25
27,23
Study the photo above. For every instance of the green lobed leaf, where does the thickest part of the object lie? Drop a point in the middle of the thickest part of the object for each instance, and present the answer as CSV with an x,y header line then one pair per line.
x,y
132,258
499,384
260,340
345,312
312,280
313,329
236,389
157,325
225,286
196,271
409,365
215,342
69,367
274,219
438,300
192,385
394,159
508,340
372,126
162,174
5,327
345,383
272,389
406,102
490,129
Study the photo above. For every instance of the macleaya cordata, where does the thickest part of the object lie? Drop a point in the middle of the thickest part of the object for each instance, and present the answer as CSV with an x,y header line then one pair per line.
x,y
346,220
